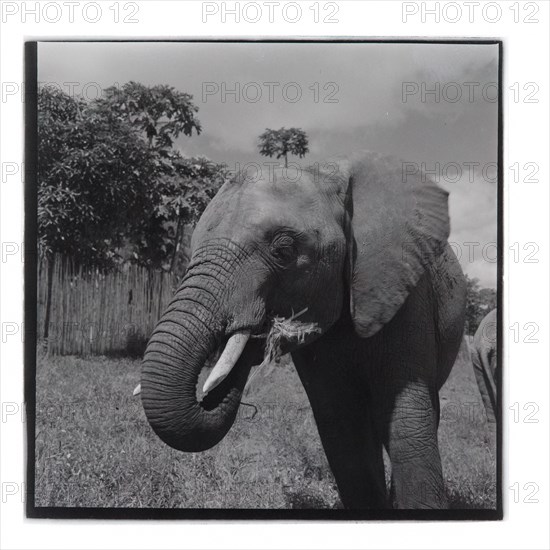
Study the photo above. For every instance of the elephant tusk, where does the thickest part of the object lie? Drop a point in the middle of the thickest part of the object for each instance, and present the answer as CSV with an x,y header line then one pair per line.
x,y
137,390
233,349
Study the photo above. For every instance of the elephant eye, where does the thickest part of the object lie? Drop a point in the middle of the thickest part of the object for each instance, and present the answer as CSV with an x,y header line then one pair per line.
x,y
282,247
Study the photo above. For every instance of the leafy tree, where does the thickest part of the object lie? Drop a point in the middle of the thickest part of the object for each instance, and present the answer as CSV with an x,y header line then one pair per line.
x,y
281,142
160,112
110,185
479,302
93,172
185,188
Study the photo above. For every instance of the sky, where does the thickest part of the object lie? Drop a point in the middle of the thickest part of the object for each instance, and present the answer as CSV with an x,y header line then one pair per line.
x,y
346,97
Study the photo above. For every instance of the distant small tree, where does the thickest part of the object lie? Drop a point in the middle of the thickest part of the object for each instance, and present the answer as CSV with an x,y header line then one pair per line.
x,y
281,142
480,301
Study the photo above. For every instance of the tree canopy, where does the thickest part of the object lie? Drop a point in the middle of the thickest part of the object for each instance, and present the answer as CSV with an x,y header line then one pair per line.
x,y
282,142
160,112
480,301
111,186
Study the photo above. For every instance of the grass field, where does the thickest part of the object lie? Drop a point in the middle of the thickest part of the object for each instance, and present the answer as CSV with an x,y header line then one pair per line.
x,y
95,448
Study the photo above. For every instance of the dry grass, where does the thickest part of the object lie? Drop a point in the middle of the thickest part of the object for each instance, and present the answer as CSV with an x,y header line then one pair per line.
x,y
286,330
95,448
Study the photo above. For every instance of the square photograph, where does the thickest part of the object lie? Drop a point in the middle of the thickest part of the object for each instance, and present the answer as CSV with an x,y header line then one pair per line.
x,y
267,279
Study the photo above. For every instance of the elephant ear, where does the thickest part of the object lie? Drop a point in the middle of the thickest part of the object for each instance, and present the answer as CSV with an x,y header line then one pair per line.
x,y
399,225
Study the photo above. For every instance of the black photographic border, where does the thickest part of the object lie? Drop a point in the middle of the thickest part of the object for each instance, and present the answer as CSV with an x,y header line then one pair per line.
x,y
30,318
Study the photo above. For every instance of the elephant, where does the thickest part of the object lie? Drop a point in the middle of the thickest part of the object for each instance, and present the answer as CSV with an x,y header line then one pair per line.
x,y
484,361
362,253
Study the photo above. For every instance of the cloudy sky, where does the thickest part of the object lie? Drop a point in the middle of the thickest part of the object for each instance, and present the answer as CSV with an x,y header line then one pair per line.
x,y
346,97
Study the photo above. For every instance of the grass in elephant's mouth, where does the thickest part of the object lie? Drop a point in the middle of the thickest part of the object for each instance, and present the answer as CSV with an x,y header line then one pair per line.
x,y
286,329
278,331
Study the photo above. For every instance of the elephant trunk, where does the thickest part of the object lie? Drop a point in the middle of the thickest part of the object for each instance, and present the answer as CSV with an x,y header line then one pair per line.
x,y
189,332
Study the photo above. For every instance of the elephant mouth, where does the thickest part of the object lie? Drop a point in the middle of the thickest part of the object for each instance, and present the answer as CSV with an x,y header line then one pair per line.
x,y
276,336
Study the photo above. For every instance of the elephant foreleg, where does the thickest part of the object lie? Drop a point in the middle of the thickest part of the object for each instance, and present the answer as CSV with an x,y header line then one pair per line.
x,y
345,426
411,441
483,362
404,381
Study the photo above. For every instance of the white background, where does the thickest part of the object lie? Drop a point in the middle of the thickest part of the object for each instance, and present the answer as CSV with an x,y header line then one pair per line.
x,y
526,139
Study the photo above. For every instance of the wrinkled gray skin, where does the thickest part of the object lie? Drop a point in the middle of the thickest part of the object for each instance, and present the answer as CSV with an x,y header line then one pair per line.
x,y
367,255
484,360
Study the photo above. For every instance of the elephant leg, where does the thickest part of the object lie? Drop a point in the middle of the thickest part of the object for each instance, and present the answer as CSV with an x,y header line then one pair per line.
x,y
345,424
411,441
484,370
404,382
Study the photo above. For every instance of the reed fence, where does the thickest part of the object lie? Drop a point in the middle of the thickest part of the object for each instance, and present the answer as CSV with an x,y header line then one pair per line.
x,y
92,312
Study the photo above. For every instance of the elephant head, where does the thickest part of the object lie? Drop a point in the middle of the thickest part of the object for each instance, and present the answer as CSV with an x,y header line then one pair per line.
x,y
350,237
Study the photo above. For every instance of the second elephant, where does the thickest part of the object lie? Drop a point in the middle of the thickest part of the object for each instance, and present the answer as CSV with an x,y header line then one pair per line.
x,y
484,361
